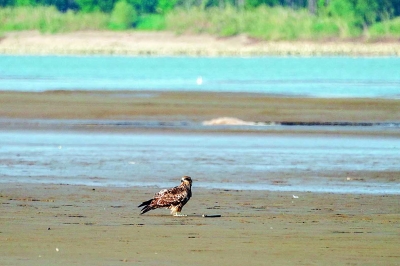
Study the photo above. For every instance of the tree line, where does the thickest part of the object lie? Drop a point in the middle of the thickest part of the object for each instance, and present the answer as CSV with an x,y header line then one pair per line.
x,y
370,10
335,16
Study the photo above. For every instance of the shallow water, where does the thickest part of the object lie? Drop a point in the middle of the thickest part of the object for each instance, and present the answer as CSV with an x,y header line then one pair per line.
x,y
214,161
291,76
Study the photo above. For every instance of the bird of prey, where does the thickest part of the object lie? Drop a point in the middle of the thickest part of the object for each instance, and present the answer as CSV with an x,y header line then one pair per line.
x,y
174,198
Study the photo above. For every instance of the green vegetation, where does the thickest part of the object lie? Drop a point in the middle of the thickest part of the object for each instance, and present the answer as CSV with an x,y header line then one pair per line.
x,y
122,16
263,19
50,20
270,23
386,29
151,22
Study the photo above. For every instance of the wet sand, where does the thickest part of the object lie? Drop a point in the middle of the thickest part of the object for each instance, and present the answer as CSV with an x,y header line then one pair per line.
x,y
77,225
125,110
170,44
192,106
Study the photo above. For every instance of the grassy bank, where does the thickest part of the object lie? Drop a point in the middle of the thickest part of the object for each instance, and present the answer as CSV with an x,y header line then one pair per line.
x,y
276,24
264,23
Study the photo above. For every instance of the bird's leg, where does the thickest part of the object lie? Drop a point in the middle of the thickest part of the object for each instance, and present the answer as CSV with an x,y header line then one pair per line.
x,y
176,211
178,214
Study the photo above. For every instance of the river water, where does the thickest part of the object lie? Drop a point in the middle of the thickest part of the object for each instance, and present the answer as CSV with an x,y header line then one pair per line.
x,y
290,76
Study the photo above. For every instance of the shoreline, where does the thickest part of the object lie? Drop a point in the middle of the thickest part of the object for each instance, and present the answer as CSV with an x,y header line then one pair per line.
x,y
249,188
138,43
189,128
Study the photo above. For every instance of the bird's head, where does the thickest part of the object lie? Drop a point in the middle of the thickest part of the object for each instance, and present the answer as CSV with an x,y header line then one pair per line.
x,y
187,180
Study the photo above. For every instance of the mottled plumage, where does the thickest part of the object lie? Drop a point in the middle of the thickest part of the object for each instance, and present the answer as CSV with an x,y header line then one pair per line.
x,y
174,198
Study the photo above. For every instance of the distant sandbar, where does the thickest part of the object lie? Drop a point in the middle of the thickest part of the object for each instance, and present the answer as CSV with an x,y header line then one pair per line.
x,y
138,43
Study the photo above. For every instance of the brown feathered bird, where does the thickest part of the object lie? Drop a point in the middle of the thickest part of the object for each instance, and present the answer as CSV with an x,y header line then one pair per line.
x,y
174,198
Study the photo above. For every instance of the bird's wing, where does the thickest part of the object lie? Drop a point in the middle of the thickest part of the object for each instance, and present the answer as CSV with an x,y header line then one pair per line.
x,y
172,196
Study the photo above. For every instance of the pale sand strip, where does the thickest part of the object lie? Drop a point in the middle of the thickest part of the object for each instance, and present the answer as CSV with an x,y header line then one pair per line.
x,y
169,44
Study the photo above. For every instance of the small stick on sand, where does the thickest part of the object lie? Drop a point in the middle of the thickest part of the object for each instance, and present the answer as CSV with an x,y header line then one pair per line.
x,y
211,215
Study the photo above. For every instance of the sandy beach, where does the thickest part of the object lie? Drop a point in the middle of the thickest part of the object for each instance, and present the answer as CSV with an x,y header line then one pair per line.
x,y
75,225
170,44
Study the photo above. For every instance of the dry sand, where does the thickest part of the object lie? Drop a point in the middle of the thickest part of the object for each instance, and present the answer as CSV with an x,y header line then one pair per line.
x,y
74,225
168,43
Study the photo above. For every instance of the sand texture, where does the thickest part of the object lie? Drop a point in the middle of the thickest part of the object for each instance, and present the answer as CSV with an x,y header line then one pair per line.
x,y
73,225
193,106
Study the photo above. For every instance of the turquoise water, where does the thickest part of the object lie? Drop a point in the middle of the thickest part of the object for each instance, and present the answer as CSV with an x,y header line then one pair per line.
x,y
290,76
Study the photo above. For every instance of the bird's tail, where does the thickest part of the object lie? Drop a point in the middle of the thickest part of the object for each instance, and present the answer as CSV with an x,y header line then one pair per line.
x,y
146,207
